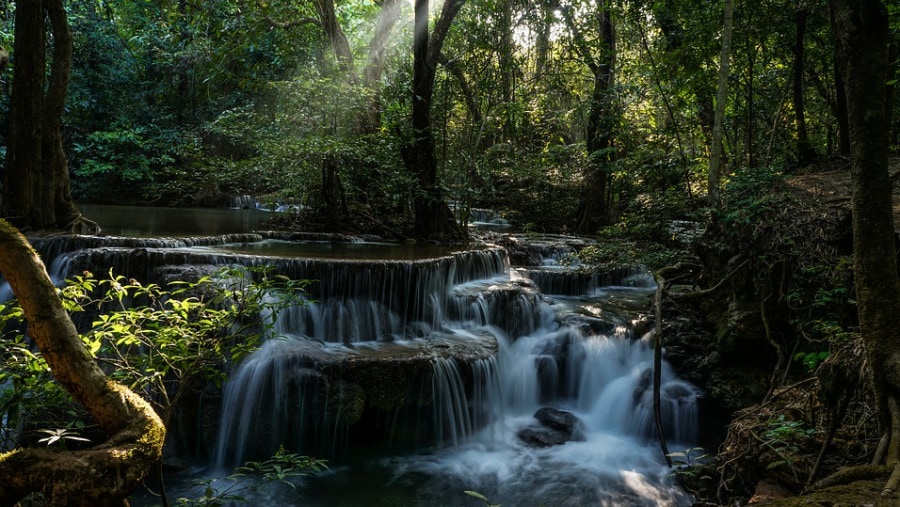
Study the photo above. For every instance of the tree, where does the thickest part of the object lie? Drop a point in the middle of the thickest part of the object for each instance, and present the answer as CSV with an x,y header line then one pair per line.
x,y
861,42
36,193
715,158
433,218
107,473
596,204
805,151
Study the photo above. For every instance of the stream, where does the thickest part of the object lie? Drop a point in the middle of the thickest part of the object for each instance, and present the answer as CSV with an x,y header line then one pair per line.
x,y
417,372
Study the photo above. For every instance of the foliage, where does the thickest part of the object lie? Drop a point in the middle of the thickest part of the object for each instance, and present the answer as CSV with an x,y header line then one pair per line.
x,y
784,437
750,197
31,399
158,342
629,254
282,468
693,469
111,161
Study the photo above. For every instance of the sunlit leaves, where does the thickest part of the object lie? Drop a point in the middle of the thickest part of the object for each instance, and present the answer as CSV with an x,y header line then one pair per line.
x,y
159,342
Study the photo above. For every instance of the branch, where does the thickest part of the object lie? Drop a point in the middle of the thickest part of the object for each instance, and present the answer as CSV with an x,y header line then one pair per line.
x,y
295,22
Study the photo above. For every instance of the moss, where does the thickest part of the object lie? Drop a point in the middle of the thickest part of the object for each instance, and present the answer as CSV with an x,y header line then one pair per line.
x,y
856,494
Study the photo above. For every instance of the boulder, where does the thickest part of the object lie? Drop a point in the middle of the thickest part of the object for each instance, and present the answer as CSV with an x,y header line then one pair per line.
x,y
554,427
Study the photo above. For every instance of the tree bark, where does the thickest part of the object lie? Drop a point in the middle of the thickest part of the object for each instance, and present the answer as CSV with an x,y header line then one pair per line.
x,y
56,167
716,148
107,473
21,202
335,34
36,182
860,30
433,218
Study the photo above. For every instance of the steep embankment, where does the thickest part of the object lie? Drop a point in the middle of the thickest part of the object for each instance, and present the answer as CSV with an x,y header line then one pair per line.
x,y
777,347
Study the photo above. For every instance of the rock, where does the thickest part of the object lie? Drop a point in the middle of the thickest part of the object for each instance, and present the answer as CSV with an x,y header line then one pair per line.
x,y
555,427
540,436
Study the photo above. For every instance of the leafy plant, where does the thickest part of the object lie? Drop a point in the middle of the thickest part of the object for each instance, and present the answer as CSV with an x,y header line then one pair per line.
x,y
61,436
784,437
158,342
811,360
161,341
282,468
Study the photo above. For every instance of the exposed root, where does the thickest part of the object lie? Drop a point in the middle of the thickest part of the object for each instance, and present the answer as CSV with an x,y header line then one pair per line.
x,y
853,474
83,225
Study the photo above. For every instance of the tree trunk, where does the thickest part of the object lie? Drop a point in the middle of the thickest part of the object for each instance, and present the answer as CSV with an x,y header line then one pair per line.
x,y
861,40
840,99
21,203
335,34
36,183
107,473
595,208
716,153
433,218
56,167
387,18
805,152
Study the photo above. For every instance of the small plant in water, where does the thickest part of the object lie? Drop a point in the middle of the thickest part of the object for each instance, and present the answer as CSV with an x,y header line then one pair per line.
x,y
282,468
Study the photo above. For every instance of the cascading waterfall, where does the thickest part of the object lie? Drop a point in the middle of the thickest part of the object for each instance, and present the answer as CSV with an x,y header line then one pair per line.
x,y
440,363
545,355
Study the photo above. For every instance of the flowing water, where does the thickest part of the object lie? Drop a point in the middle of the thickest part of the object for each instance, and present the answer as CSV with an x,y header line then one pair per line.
x,y
416,372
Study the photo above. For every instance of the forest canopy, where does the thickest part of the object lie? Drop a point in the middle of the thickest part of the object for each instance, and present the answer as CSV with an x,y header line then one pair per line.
x,y
533,103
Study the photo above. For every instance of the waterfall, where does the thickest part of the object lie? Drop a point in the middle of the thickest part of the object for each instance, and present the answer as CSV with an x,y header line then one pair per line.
x,y
437,365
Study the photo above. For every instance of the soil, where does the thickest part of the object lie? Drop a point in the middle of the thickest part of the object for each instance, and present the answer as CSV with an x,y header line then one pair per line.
x,y
830,184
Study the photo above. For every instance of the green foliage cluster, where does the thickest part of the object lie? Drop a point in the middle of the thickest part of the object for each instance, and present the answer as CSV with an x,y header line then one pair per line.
x,y
785,437
608,255
158,342
282,468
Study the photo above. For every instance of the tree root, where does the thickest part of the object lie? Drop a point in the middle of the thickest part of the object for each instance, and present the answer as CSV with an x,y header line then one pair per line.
x,y
102,476
83,225
853,474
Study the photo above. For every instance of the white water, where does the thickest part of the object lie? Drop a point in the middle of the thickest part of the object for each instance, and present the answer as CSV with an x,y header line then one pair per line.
x,y
603,379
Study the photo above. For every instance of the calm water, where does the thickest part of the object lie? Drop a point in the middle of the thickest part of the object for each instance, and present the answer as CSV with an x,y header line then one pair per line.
x,y
144,221
141,222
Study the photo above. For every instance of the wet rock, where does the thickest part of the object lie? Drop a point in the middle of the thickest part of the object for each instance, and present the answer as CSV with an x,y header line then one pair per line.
x,y
555,427
539,436
561,420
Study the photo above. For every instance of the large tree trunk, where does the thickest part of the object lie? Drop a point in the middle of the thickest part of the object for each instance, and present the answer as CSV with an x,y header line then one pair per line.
x,y
106,474
433,219
861,38
56,167
335,34
36,183
21,204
